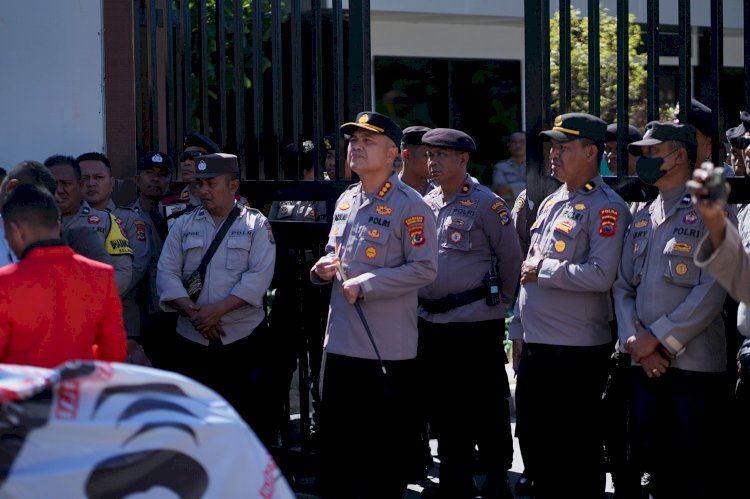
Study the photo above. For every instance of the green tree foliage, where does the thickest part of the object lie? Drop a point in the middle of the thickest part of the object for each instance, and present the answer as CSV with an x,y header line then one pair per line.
x,y
579,57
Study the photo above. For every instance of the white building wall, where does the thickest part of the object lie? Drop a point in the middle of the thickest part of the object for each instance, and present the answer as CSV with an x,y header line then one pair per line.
x,y
51,89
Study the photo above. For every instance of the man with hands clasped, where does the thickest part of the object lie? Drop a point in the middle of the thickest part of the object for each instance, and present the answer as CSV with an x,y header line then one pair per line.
x,y
669,321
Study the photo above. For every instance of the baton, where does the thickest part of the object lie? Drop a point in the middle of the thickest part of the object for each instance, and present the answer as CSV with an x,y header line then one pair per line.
x,y
358,306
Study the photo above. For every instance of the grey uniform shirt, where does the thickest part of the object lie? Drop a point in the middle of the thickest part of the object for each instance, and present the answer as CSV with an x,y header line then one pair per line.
x,y
659,285
729,264
86,232
470,226
154,245
580,235
242,266
387,241
134,227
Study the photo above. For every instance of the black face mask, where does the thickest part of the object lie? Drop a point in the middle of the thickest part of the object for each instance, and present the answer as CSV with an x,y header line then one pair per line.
x,y
649,169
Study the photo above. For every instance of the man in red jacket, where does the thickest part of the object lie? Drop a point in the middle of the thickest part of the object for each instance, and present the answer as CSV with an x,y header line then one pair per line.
x,y
55,305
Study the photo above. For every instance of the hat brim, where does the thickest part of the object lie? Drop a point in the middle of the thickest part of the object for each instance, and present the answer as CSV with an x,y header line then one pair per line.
x,y
157,166
558,136
211,174
351,127
635,147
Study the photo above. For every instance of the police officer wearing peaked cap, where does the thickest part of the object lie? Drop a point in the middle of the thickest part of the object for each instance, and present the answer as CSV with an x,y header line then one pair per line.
x,y
564,309
382,242
462,319
415,173
669,318
221,340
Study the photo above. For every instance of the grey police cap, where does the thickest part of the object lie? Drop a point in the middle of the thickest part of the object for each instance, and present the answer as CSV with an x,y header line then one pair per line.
x,y
659,131
212,165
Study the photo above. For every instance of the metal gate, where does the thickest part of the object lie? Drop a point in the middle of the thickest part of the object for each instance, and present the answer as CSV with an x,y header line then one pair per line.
x,y
538,84
260,77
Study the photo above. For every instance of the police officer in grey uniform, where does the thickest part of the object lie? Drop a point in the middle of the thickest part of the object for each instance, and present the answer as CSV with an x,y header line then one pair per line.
x,y
462,319
381,250
92,233
564,308
154,171
415,173
98,185
221,340
669,321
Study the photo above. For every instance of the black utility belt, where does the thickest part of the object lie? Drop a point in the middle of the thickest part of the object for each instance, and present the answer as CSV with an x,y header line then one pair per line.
x,y
448,303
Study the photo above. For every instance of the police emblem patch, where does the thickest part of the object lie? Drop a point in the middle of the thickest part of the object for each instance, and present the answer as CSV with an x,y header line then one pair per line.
x,y
681,269
93,219
456,237
608,223
371,252
690,218
375,233
383,210
344,206
202,165
559,246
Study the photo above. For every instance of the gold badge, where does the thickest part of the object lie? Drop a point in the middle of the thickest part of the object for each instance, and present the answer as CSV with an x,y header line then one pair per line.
x,y
374,233
364,118
371,252
496,205
466,202
548,204
344,206
384,189
681,269
682,247
640,224
558,120
580,206
560,246
383,210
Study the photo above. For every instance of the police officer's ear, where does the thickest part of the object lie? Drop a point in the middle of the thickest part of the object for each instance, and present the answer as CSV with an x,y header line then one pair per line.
x,y
234,184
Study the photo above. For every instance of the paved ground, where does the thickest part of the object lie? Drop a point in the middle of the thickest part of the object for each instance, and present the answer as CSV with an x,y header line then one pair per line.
x,y
305,488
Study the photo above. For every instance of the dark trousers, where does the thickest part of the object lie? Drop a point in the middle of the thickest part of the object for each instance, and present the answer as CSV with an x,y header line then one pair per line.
x,y
559,418
366,427
239,372
466,390
679,430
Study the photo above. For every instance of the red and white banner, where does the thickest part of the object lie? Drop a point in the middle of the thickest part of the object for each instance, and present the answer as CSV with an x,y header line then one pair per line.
x,y
104,430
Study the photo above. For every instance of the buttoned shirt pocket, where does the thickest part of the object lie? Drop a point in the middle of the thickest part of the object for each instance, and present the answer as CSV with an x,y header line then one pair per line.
x,y
238,248
456,233
192,251
680,269
564,239
372,247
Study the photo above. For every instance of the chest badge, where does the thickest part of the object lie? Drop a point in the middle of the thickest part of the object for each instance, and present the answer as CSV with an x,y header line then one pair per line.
x,y
371,252
383,210
559,246
690,218
373,233
344,206
456,237
681,269
93,219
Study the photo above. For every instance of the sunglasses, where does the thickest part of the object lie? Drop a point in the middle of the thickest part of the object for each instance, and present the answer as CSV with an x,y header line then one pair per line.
x,y
190,155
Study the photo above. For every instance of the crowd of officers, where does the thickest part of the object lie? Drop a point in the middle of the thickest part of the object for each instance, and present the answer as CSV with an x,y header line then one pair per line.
x,y
423,266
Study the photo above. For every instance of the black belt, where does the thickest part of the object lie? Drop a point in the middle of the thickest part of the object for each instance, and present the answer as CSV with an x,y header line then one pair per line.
x,y
448,303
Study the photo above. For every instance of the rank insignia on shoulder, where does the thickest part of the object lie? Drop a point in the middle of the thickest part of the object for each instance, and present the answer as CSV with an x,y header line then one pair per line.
x,y
385,188
520,203
548,204
185,195
589,186
465,188
86,210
